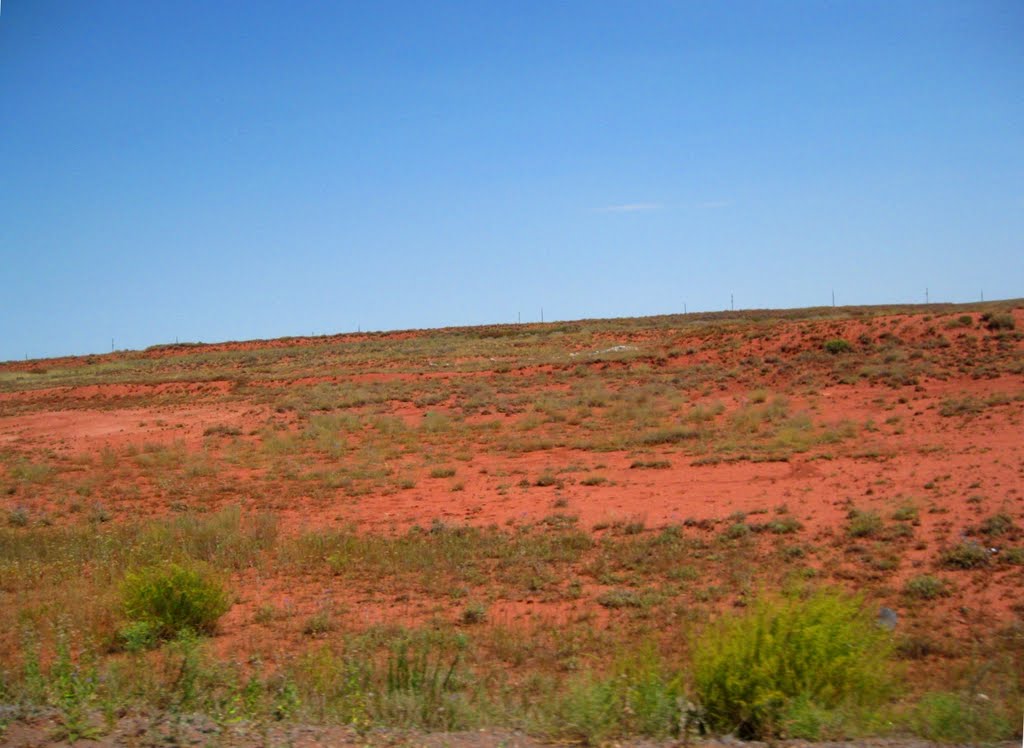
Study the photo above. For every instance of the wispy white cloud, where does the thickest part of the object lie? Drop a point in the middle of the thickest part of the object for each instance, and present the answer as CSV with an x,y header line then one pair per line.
x,y
631,207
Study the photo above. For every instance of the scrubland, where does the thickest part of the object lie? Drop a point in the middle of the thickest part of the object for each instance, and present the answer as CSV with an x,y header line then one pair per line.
x,y
601,530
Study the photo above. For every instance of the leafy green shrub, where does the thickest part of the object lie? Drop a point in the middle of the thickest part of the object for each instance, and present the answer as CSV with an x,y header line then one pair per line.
x,y
926,587
968,555
169,599
823,650
837,346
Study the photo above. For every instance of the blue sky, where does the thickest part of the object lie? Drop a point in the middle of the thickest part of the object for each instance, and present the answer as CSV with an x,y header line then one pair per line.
x,y
233,170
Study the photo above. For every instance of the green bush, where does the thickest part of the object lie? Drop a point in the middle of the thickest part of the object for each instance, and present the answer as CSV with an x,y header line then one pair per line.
x,y
164,600
822,651
837,346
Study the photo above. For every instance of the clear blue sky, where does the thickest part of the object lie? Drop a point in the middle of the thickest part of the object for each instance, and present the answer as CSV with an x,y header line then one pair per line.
x,y
233,170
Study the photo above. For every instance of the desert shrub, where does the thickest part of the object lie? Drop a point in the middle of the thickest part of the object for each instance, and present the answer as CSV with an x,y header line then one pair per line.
x,y
996,525
737,530
968,555
823,651
619,598
966,406
998,321
964,320
784,525
667,436
17,517
863,524
650,465
1013,556
474,613
545,479
836,346
170,599
926,587
906,513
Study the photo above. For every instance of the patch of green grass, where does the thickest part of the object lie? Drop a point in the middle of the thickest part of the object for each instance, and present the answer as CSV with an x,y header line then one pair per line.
x,y
31,472
639,697
964,719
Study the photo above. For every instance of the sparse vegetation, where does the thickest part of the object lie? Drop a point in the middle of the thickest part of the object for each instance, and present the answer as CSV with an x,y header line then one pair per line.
x,y
474,528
